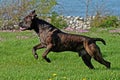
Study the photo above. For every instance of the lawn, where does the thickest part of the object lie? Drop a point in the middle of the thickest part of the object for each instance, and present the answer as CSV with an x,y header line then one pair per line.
x,y
18,63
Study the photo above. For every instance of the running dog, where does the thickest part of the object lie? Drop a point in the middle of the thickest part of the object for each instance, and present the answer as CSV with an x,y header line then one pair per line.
x,y
53,39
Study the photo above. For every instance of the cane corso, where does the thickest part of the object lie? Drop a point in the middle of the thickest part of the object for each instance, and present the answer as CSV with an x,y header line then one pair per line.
x,y
53,39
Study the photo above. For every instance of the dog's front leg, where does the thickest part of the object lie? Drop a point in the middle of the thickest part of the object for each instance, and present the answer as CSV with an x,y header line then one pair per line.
x,y
46,52
39,46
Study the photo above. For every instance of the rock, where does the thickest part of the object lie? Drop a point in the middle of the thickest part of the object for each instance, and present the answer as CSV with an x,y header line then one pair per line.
x,y
77,23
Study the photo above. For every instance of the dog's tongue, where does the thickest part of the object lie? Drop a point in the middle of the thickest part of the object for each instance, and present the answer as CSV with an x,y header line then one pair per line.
x,y
22,29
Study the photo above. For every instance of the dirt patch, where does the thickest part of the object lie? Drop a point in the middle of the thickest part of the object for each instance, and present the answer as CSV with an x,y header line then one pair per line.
x,y
1,39
22,37
9,30
115,31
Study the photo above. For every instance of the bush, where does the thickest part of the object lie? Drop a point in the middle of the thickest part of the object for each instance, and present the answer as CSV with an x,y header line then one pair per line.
x,y
107,21
12,13
57,21
8,25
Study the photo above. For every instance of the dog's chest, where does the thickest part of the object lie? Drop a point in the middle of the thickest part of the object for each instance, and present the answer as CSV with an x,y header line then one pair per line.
x,y
45,37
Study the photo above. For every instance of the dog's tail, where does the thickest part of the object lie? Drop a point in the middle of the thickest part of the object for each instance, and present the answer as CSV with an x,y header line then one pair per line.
x,y
99,39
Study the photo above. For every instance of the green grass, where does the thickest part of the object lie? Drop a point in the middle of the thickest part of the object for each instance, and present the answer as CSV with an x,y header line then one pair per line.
x,y
18,63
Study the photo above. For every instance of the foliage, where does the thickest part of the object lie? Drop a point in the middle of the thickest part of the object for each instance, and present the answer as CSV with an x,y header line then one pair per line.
x,y
18,63
11,13
57,21
106,21
43,7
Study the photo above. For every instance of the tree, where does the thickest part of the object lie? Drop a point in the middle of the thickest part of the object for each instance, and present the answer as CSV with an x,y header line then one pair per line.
x,y
100,8
102,16
11,12
87,3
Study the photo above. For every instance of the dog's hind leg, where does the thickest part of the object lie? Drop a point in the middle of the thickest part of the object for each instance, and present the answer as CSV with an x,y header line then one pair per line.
x,y
87,60
46,52
94,51
39,46
99,59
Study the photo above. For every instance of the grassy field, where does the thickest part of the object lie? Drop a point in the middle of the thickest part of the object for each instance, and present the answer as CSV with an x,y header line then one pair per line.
x,y
18,63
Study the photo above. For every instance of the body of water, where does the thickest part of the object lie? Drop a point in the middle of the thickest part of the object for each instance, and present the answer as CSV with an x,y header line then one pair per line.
x,y
78,7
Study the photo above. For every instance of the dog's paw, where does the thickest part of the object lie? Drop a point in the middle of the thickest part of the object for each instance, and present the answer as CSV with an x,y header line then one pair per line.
x,y
108,65
36,56
48,60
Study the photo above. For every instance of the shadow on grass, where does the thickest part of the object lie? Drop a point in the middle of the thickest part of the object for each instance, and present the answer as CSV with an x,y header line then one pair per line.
x,y
113,68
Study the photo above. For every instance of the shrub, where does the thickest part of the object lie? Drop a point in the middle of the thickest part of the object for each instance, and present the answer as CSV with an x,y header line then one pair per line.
x,y
57,21
11,13
107,21
8,24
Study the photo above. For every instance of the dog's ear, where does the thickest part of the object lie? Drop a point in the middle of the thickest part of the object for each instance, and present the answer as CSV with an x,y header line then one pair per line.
x,y
33,14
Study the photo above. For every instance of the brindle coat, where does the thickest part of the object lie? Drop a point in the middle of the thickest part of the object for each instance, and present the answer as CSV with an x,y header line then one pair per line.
x,y
56,40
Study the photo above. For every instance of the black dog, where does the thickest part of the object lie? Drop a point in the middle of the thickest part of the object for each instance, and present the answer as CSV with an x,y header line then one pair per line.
x,y
55,40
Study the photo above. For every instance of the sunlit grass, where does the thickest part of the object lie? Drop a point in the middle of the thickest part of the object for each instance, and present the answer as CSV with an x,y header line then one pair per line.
x,y
18,63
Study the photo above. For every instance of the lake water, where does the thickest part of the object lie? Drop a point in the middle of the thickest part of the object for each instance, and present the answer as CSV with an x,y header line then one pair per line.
x,y
78,7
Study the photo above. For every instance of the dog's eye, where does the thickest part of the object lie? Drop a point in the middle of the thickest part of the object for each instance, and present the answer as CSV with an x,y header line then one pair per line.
x,y
29,16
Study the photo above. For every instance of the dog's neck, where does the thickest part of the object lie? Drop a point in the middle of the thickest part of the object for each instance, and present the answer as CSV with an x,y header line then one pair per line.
x,y
42,25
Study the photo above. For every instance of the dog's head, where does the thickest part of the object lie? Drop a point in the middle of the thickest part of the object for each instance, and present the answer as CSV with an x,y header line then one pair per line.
x,y
26,23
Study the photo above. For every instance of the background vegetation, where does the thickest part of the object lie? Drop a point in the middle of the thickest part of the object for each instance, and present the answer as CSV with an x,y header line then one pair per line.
x,y
11,13
105,21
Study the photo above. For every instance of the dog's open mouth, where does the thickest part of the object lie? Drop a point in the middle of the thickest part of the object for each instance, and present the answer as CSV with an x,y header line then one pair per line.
x,y
22,29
